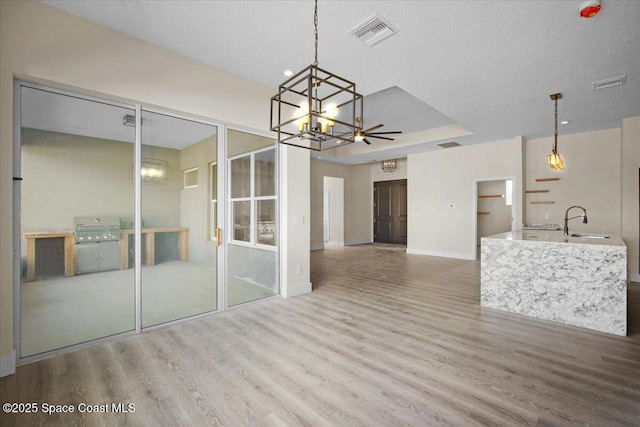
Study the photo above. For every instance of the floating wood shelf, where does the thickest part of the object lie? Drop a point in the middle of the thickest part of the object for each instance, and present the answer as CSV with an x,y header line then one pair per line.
x,y
542,202
536,191
485,196
547,179
484,213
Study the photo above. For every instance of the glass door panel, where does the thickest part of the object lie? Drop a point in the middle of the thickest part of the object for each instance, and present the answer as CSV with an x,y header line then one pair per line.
x,y
76,162
252,252
179,221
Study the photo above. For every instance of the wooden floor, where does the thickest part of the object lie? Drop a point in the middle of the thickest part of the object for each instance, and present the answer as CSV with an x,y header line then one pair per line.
x,y
386,338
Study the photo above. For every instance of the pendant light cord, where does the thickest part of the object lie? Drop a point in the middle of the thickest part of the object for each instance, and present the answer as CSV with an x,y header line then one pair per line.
x,y
555,133
315,32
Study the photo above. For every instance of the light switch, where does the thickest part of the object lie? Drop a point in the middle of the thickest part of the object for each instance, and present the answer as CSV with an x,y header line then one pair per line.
x,y
298,220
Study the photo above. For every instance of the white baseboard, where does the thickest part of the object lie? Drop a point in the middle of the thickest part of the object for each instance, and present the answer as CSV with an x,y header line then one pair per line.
x,y
357,242
317,247
8,365
295,290
335,243
455,255
634,277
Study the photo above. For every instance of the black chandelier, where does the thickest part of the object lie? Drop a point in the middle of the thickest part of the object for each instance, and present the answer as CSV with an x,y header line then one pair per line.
x,y
317,109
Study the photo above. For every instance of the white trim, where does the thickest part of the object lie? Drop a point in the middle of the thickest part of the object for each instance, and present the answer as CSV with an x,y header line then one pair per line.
x,y
358,242
257,150
222,246
335,243
634,277
295,290
17,218
137,221
317,247
8,364
268,248
465,256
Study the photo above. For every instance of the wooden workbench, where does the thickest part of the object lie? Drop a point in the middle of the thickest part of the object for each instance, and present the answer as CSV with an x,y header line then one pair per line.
x,y
69,251
149,236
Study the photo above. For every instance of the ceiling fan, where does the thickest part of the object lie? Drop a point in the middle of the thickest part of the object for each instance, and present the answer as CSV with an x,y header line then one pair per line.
x,y
367,133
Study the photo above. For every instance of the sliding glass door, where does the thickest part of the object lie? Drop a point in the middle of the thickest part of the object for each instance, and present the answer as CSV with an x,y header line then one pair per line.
x,y
129,222
179,193
77,183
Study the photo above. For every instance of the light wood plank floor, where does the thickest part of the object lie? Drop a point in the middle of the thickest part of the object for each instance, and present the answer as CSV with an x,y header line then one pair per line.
x,y
386,338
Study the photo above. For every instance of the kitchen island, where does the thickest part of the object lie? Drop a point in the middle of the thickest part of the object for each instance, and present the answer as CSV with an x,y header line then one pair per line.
x,y
580,281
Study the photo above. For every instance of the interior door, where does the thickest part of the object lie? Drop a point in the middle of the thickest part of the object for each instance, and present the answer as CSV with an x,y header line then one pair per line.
x,y
390,212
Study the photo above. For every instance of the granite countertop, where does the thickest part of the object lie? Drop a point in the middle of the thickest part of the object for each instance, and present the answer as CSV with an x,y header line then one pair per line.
x,y
557,237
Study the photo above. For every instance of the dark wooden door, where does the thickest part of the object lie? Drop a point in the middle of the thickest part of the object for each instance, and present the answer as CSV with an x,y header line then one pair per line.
x,y
390,212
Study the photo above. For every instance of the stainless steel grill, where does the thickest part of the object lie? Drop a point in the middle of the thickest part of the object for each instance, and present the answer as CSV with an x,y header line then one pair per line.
x,y
97,243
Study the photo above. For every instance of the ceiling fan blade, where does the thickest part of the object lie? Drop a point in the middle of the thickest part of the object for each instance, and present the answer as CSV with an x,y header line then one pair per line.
x,y
380,137
366,142
384,133
372,128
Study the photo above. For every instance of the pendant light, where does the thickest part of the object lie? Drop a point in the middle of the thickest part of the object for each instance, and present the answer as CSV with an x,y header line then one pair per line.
x,y
554,160
317,109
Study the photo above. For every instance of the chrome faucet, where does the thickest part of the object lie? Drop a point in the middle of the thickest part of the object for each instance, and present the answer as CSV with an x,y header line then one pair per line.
x,y
566,218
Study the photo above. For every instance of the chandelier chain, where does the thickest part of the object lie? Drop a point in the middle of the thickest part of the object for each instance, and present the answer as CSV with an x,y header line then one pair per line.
x,y
315,32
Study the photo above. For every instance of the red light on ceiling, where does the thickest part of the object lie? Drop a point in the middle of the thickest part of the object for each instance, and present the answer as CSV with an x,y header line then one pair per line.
x,y
590,9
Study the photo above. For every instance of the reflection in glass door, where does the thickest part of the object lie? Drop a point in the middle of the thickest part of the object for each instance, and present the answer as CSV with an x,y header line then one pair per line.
x,y
252,247
179,202
81,163
76,156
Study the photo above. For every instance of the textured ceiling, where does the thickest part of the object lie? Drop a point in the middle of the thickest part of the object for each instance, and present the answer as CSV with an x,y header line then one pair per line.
x,y
488,66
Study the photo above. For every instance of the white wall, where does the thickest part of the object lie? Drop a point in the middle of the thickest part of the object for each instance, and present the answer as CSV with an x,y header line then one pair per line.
x,y
295,220
591,179
441,207
43,44
631,192
358,201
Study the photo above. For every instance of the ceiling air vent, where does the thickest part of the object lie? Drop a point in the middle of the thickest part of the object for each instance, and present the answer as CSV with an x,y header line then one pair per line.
x,y
373,30
449,144
605,84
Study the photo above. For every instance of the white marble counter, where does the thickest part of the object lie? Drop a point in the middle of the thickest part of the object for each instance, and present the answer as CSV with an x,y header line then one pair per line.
x,y
544,274
558,237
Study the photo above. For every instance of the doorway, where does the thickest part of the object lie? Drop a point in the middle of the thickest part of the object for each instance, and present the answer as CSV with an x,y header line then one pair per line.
x,y
333,211
390,212
494,208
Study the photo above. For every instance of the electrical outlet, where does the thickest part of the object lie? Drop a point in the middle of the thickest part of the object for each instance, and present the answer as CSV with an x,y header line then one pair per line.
x,y
299,269
546,216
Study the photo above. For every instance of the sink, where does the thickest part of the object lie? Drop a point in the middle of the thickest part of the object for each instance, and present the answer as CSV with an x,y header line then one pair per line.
x,y
591,236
